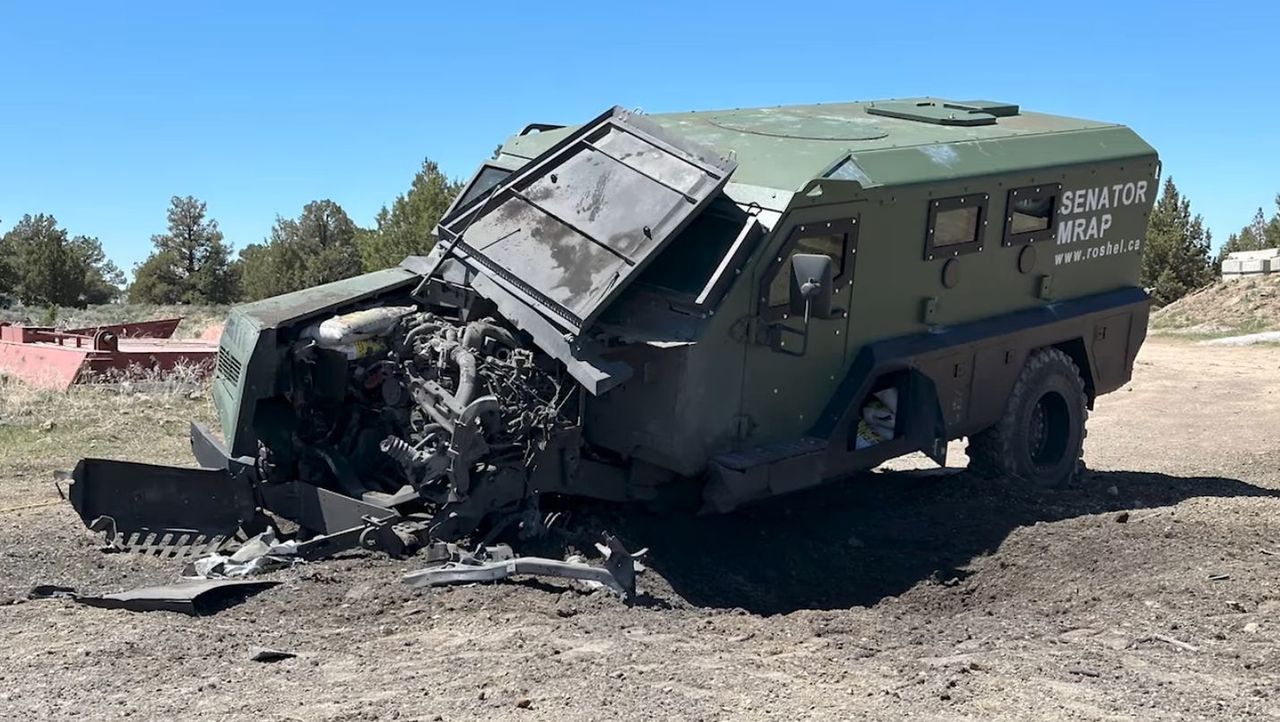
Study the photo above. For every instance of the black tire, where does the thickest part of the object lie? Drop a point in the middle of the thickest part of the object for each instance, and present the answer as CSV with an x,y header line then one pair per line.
x,y
1040,437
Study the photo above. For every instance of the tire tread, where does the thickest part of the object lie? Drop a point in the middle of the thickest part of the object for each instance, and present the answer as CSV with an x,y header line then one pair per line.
x,y
991,451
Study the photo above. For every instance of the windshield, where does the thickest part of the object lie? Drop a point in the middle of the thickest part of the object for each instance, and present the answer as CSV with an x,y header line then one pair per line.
x,y
686,266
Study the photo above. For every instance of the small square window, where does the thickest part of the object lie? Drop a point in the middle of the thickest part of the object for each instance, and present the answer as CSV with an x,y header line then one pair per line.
x,y
1030,215
956,226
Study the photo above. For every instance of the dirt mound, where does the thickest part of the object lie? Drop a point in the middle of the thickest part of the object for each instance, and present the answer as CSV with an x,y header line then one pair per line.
x,y
1247,305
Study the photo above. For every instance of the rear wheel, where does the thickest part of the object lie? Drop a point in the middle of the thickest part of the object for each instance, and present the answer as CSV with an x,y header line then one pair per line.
x,y
1040,437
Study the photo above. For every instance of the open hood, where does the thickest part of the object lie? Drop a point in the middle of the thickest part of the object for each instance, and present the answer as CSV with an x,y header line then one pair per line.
x,y
569,231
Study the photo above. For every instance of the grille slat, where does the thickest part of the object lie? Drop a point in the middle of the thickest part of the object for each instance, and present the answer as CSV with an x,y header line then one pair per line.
x,y
229,367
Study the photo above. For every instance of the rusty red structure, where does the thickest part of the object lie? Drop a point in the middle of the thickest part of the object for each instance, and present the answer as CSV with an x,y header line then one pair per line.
x,y
51,358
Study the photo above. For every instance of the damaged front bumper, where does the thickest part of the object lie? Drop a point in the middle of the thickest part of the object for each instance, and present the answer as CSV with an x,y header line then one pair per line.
x,y
181,511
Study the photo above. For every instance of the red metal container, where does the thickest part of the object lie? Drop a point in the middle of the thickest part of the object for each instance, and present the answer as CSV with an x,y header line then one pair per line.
x,y
49,358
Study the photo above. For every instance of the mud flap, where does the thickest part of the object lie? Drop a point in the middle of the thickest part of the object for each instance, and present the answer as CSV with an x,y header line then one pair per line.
x,y
926,429
165,510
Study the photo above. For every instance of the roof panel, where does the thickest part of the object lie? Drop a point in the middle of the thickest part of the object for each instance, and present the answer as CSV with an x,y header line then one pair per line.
x,y
787,146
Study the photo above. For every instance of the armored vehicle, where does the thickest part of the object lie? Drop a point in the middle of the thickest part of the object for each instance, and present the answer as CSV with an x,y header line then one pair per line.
x,y
730,304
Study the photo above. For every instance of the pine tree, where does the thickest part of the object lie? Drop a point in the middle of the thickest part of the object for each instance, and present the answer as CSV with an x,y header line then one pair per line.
x,y
190,264
1260,234
317,247
406,227
43,265
8,273
1176,258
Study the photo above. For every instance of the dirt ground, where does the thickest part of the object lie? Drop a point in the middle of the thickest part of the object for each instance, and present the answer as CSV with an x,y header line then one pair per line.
x,y
1147,592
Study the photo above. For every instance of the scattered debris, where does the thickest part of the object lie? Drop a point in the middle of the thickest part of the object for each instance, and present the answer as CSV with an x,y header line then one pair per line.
x,y
260,554
618,575
1083,671
196,597
265,654
1169,640
1219,577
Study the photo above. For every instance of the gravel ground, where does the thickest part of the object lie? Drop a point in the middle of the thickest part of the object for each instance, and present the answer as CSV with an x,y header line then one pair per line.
x,y
1148,592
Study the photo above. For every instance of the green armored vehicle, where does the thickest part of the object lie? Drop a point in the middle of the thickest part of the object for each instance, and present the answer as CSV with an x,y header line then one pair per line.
x,y
739,303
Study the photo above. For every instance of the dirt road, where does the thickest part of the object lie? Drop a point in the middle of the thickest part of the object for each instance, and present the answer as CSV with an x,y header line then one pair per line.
x,y
1148,592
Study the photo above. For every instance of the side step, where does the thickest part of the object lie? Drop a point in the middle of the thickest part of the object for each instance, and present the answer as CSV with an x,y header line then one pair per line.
x,y
764,471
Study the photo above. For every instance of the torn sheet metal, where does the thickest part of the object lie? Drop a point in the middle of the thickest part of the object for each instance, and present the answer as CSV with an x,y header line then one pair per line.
x,y
196,597
259,555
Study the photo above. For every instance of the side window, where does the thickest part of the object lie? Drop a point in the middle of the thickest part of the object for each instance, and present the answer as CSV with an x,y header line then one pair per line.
x,y
1030,214
826,238
955,226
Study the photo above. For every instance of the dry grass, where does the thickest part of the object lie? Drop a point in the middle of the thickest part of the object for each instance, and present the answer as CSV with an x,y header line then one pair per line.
x,y
137,414
139,419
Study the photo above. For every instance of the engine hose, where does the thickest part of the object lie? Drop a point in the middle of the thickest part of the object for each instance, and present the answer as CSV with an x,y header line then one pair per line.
x,y
416,331
466,362
478,331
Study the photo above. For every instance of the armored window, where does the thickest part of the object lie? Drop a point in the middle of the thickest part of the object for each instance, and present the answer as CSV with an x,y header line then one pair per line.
x,y
955,226
488,177
829,238
1030,214
484,180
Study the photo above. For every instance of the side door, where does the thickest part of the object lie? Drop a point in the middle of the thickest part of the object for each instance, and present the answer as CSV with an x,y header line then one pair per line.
x,y
792,363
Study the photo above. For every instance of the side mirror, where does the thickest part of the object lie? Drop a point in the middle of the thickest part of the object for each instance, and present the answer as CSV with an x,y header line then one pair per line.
x,y
811,285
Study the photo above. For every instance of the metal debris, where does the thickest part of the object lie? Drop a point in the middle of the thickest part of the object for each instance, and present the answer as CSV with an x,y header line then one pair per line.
x,y
261,554
265,654
196,597
618,575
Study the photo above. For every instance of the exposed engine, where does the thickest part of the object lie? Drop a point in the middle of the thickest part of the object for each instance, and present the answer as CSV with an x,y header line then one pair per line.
x,y
448,417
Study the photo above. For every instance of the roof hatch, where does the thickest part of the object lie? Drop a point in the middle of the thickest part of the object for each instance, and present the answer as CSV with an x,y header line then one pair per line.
x,y
945,112
566,233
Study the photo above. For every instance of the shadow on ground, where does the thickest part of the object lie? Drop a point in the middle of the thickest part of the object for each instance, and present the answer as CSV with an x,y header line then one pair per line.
x,y
876,535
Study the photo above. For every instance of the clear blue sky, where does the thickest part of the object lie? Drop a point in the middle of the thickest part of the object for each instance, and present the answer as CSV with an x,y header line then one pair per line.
x,y
110,108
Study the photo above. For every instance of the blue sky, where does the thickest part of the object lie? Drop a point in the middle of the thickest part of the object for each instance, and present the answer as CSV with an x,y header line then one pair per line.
x,y
110,108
